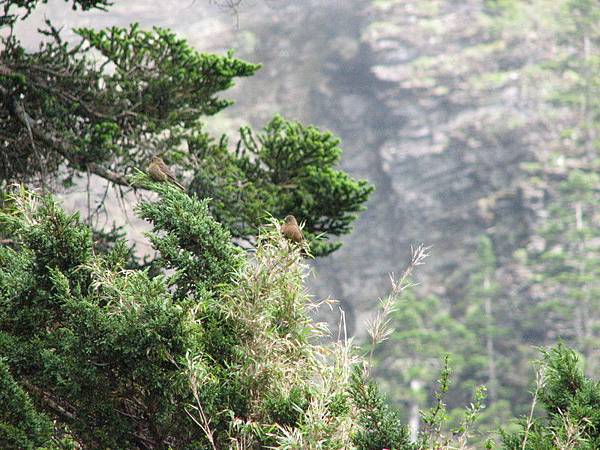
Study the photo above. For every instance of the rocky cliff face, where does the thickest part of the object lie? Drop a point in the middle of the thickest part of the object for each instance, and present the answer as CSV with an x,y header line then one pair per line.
x,y
460,124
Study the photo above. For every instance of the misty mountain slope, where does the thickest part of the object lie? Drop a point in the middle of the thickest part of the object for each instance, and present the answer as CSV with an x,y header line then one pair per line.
x,y
465,120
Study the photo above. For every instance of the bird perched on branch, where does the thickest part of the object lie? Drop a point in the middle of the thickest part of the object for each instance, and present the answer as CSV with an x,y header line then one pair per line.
x,y
159,171
291,230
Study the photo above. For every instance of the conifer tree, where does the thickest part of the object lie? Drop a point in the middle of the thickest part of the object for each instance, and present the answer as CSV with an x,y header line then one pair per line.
x,y
217,351
568,268
571,403
480,303
104,105
410,359
490,353
565,265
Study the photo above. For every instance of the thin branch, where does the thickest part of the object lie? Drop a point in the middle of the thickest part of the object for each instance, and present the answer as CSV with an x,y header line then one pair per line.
x,y
100,204
88,199
205,425
67,412
46,398
18,111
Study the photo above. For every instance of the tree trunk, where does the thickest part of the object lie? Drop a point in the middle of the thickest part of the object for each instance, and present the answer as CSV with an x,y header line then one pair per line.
x,y
414,418
489,344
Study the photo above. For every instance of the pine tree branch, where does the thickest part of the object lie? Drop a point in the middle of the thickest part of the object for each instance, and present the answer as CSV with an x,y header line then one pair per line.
x,y
66,412
46,398
18,111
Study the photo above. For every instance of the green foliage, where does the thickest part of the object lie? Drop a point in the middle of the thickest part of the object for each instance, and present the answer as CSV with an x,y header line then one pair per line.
x,y
188,82
100,342
567,267
482,308
21,426
158,83
473,331
192,243
286,408
564,287
572,404
217,350
287,168
378,426
423,333
209,348
435,418
299,162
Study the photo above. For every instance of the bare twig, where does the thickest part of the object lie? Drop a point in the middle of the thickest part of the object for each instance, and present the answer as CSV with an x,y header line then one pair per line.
x,y
205,425
232,5
99,205
47,399
573,432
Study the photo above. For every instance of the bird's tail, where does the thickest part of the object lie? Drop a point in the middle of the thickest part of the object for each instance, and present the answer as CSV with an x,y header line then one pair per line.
x,y
177,183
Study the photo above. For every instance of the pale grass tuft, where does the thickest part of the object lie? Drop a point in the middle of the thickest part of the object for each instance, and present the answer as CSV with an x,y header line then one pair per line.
x,y
539,384
574,433
284,349
197,377
379,329
26,202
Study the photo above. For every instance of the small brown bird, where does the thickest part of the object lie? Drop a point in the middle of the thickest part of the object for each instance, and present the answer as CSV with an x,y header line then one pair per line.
x,y
159,171
291,230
